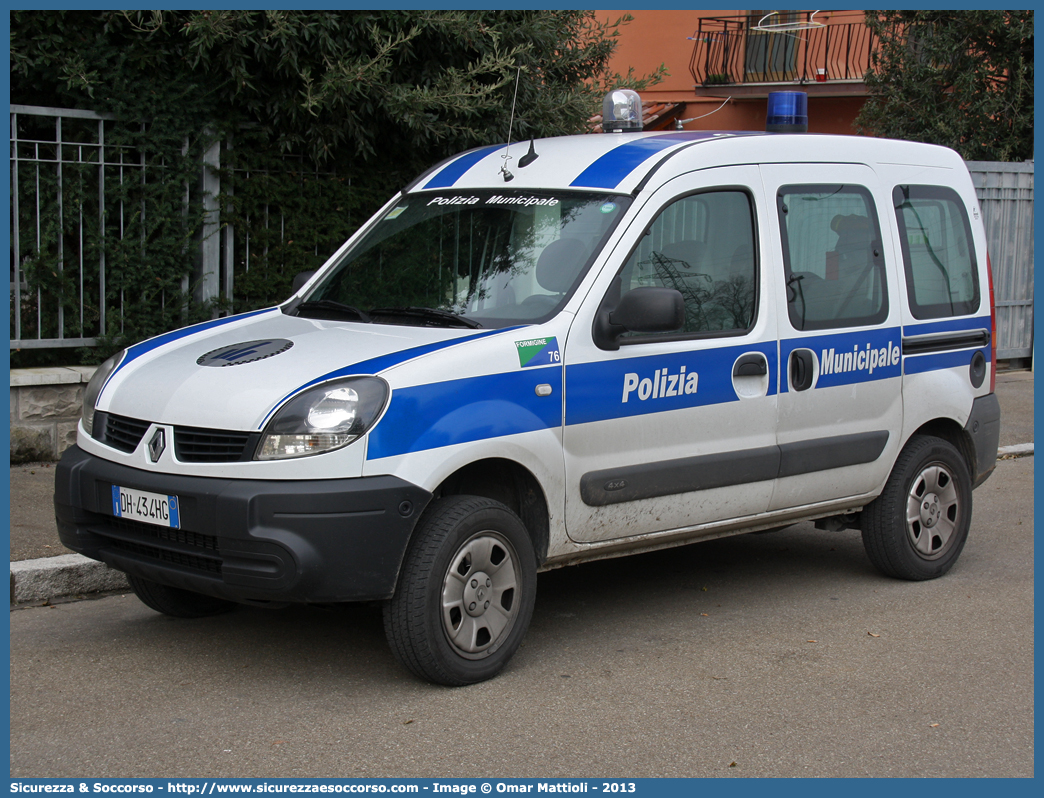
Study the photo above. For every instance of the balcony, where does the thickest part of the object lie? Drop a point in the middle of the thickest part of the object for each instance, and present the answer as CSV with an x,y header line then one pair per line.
x,y
826,53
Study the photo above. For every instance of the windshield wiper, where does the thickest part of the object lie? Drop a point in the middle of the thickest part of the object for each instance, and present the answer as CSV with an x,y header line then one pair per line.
x,y
330,309
442,318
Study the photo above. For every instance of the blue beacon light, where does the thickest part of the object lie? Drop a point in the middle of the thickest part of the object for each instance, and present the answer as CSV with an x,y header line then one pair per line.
x,y
787,112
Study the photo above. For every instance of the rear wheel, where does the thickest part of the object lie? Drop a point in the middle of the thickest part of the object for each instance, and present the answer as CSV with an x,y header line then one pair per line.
x,y
466,592
175,601
917,527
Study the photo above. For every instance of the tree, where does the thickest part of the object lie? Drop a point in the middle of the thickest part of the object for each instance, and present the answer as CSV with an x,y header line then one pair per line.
x,y
963,79
398,90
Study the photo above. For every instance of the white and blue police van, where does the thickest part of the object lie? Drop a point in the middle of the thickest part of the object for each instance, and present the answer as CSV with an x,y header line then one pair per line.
x,y
548,352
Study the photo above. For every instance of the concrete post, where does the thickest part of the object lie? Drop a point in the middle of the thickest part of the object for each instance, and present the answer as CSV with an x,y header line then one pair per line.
x,y
208,270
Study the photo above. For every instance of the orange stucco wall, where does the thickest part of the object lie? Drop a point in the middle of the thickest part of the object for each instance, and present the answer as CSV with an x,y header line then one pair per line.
x,y
661,36
656,37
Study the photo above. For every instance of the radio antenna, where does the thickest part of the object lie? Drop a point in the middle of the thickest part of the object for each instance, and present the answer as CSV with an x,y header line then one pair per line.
x,y
679,122
511,121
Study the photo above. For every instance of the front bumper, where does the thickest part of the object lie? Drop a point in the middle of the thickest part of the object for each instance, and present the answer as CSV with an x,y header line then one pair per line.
x,y
245,540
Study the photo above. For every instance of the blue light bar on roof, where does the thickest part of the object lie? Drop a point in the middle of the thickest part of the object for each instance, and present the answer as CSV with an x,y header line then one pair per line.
x,y
787,112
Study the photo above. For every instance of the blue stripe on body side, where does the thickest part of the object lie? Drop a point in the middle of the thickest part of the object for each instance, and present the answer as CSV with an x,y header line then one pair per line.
x,y
460,411
595,391
837,371
379,364
455,170
882,339
939,361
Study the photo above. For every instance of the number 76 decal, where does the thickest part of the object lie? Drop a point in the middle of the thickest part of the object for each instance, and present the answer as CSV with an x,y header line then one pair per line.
x,y
538,352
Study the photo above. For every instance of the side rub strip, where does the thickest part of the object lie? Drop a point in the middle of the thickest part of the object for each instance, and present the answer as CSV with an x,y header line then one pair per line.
x,y
668,477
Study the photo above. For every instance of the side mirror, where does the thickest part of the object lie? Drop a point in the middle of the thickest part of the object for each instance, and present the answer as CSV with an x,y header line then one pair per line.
x,y
300,279
644,310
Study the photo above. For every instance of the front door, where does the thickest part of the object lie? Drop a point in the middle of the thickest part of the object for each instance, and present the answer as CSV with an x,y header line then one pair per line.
x,y
676,430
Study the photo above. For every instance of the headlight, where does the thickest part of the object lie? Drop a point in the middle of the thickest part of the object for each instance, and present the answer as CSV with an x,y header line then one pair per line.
x,y
90,396
324,418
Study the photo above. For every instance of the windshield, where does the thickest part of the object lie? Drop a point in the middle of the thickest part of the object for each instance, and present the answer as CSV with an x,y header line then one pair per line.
x,y
474,258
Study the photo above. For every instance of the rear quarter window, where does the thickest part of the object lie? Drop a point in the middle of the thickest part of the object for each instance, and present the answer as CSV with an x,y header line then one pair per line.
x,y
938,251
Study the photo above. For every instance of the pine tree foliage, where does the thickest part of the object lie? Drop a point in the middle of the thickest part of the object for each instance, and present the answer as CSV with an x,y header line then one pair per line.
x,y
960,78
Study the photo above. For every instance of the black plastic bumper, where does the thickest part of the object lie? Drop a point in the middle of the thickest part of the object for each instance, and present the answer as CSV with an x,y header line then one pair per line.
x,y
245,540
983,428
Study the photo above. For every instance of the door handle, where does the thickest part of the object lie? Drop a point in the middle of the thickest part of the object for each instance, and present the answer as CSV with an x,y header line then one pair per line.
x,y
752,364
801,369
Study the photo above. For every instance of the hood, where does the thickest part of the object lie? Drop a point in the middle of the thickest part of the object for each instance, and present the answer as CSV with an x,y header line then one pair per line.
x,y
230,374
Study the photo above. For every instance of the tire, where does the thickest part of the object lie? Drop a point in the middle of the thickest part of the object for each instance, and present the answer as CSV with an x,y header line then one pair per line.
x,y
466,592
917,527
177,602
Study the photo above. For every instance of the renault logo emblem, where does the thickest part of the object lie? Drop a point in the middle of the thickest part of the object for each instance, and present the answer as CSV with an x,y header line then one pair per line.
x,y
157,445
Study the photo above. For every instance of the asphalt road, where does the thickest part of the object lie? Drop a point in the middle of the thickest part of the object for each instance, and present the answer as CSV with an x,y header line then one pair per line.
x,y
781,654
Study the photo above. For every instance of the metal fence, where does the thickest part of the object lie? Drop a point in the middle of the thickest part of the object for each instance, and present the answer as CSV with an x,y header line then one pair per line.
x,y
41,163
75,197
1005,192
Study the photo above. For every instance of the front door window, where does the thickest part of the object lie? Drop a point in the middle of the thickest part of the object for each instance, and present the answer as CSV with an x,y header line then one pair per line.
x,y
702,246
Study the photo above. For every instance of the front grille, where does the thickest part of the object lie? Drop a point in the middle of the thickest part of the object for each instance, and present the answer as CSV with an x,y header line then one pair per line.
x,y
193,445
173,557
180,547
182,536
119,432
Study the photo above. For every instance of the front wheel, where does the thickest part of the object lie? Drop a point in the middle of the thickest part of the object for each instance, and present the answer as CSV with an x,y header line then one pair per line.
x,y
917,527
466,592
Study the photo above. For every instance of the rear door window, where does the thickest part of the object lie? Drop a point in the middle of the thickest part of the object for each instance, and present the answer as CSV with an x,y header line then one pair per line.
x,y
938,252
832,256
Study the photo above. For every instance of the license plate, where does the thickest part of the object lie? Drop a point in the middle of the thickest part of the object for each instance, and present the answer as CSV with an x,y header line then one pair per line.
x,y
151,508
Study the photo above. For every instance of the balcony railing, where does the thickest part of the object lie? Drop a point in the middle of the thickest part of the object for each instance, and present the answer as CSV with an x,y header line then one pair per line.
x,y
787,47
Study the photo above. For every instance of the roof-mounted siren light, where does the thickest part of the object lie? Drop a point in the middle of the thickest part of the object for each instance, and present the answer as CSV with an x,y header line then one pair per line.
x,y
787,112
621,111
